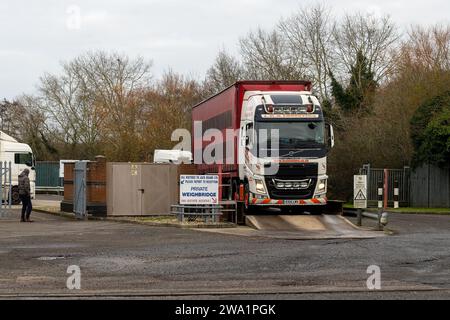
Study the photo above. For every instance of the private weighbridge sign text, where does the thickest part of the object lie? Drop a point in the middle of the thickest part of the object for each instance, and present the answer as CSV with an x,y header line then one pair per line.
x,y
199,189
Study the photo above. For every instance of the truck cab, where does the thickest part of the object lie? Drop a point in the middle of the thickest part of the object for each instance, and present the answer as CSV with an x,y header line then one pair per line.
x,y
283,145
21,156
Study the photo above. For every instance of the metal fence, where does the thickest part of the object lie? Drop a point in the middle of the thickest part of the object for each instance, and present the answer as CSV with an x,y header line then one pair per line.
x,y
374,175
430,187
5,185
47,174
192,213
47,177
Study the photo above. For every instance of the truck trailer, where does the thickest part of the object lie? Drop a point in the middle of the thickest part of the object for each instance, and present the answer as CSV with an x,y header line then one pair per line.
x,y
274,147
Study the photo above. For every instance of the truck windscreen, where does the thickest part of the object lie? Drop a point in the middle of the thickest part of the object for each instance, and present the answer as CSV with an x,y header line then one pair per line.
x,y
24,158
292,135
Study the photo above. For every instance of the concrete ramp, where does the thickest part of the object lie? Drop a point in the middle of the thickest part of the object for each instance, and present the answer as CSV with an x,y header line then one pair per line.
x,y
286,223
300,227
304,223
306,226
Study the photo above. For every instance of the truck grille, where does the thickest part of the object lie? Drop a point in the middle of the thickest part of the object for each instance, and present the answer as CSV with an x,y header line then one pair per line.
x,y
295,170
287,194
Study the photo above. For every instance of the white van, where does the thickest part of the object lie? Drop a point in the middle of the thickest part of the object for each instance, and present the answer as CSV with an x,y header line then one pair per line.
x,y
172,156
21,156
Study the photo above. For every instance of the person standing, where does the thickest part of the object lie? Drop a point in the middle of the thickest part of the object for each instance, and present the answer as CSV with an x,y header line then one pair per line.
x,y
25,195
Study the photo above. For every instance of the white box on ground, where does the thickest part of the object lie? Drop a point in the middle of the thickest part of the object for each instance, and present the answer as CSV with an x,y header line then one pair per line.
x,y
360,191
199,189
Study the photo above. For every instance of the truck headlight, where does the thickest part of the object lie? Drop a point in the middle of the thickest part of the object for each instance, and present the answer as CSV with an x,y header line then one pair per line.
x,y
322,185
260,186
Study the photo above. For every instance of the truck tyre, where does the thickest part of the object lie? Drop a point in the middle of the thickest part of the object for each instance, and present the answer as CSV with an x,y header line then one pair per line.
x,y
15,199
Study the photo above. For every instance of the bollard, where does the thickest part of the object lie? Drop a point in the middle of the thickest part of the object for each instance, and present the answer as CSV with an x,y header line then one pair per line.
x,y
381,186
384,219
386,188
380,194
396,194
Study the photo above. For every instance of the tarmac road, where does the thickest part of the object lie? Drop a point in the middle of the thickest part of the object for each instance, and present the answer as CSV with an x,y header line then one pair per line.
x,y
134,261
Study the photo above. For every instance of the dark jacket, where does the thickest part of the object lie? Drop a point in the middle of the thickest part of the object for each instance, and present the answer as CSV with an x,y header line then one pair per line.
x,y
24,184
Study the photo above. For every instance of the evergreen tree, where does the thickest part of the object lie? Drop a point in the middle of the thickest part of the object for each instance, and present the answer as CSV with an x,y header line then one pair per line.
x,y
430,132
358,95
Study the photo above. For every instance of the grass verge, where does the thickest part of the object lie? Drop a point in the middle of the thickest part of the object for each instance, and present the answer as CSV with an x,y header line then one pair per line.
x,y
409,210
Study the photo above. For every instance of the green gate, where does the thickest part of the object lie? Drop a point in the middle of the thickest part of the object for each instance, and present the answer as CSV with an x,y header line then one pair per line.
x,y
47,175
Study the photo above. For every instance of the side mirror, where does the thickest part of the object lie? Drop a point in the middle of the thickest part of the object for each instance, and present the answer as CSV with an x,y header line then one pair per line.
x,y
330,136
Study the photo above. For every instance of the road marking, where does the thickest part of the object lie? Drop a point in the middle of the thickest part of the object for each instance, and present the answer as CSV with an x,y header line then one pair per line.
x,y
221,292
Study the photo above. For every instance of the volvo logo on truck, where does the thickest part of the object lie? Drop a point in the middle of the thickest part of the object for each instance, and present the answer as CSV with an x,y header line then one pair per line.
x,y
279,151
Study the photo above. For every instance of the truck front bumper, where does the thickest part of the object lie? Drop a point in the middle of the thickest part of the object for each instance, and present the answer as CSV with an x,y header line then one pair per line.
x,y
273,202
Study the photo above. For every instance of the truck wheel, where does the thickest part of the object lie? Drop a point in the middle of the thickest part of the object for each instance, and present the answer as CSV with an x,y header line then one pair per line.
x,y
15,199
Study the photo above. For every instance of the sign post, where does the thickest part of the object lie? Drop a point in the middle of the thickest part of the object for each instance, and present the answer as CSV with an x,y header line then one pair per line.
x,y
360,195
360,192
199,189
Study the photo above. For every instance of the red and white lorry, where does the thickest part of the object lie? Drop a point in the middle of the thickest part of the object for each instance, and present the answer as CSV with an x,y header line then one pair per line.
x,y
274,146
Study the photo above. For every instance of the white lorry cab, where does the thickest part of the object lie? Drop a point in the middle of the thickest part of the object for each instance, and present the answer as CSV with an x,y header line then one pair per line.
x,y
21,156
289,169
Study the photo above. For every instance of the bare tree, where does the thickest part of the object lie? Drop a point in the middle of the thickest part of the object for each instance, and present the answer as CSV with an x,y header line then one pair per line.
x,y
113,80
28,124
375,38
225,71
426,49
169,104
94,100
67,104
267,55
309,33
8,115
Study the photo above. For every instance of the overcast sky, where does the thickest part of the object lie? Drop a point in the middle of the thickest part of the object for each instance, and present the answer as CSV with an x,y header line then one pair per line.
x,y
182,34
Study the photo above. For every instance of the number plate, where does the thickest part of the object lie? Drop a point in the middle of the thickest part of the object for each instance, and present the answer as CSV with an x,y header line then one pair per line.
x,y
291,202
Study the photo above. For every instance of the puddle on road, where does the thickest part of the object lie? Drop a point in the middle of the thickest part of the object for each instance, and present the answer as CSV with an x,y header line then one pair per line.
x,y
49,246
51,258
32,279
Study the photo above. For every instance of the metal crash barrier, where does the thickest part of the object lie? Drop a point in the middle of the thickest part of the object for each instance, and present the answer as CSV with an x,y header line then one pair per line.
x,y
191,213
380,217
5,185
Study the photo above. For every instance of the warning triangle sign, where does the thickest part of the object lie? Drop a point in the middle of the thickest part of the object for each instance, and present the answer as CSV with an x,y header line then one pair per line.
x,y
360,195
